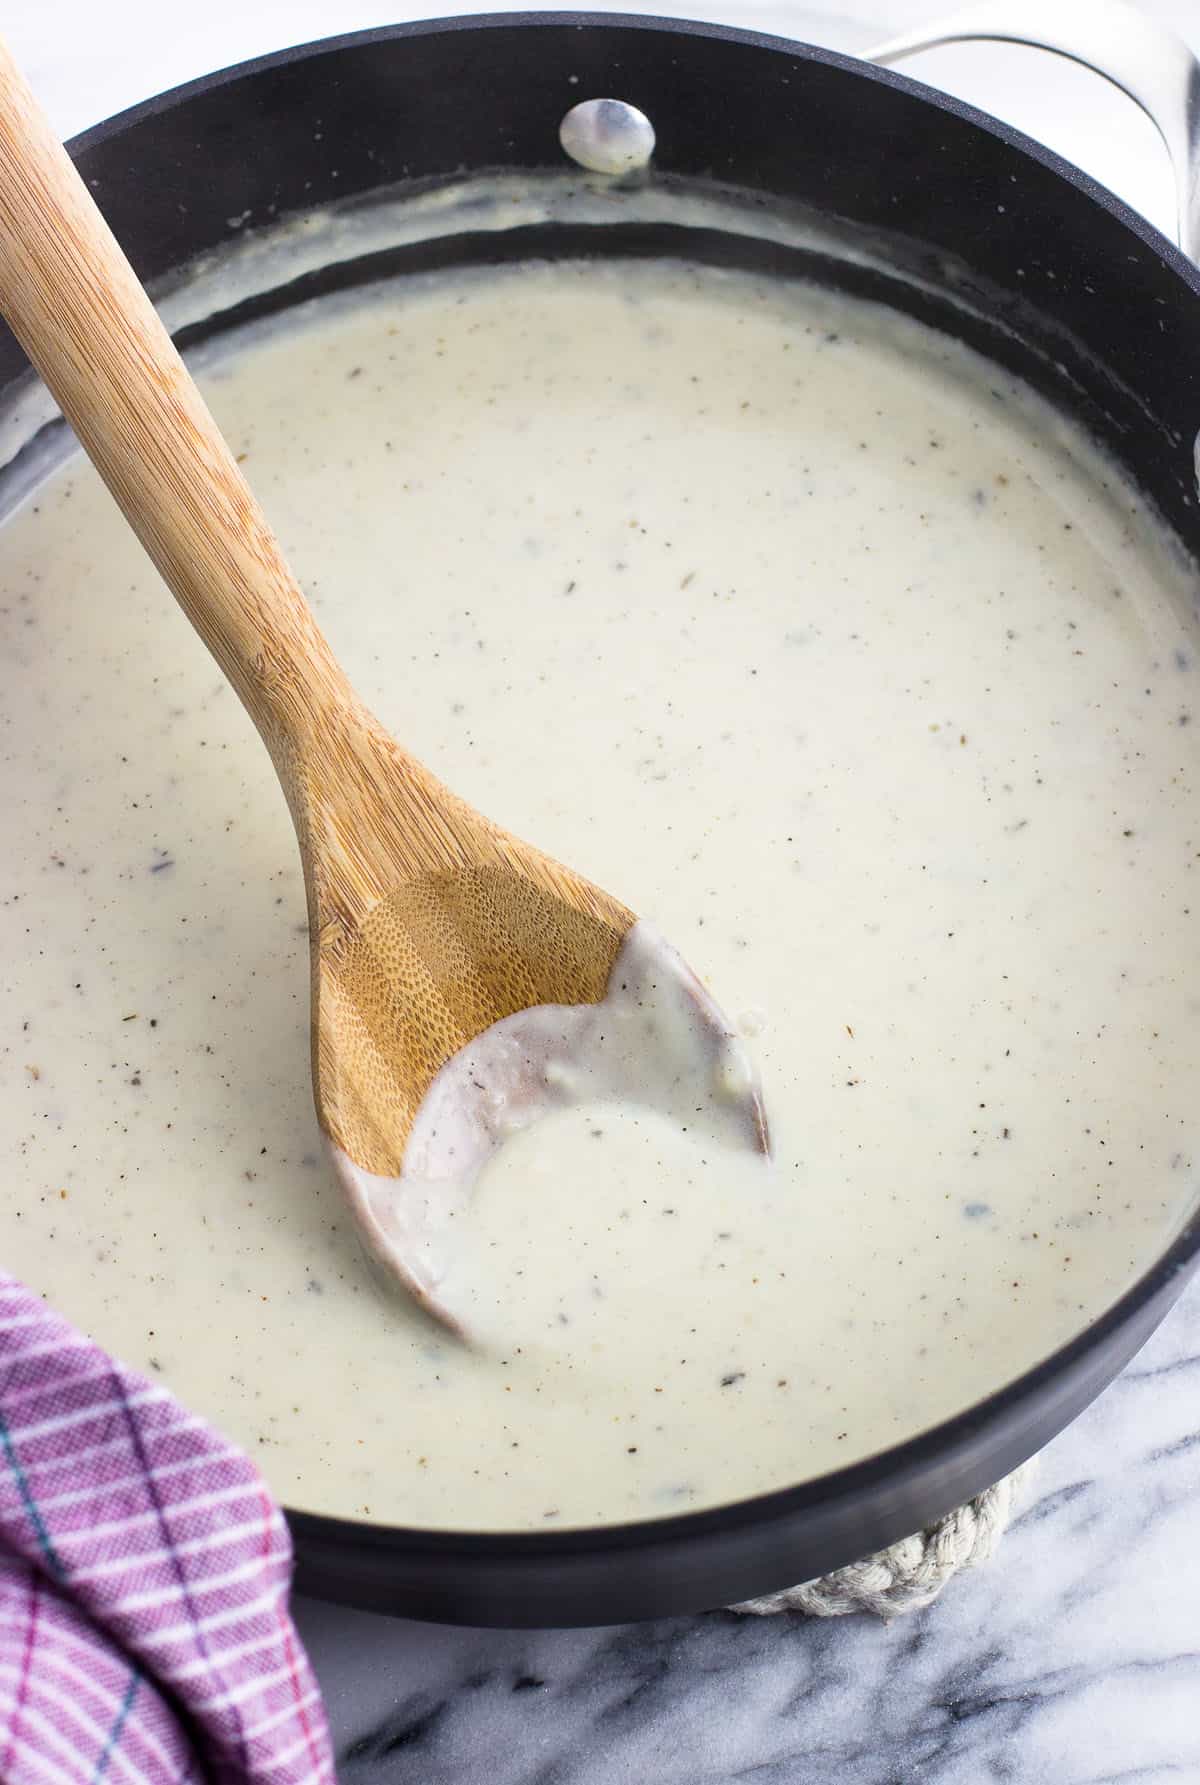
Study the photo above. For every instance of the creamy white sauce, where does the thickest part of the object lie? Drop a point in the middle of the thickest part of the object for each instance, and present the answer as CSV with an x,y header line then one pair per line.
x,y
656,1041
812,638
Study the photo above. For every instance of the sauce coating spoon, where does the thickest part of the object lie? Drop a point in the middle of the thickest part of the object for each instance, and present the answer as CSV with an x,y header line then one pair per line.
x,y
462,981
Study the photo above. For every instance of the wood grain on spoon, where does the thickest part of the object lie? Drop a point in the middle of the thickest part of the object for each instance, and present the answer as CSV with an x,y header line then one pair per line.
x,y
428,923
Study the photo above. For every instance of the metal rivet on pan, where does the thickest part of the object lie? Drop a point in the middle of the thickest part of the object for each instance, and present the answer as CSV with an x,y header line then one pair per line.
x,y
607,136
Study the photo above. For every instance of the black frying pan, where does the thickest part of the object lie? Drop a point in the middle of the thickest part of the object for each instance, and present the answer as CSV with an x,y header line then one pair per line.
x,y
981,233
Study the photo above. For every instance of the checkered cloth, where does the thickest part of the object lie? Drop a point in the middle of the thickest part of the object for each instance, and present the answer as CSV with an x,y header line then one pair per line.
x,y
144,1570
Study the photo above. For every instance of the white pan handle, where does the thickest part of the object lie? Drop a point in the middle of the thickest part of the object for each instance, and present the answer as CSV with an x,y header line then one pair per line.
x,y
1146,60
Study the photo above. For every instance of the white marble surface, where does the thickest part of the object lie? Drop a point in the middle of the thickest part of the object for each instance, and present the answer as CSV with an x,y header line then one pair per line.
x,y
1074,1657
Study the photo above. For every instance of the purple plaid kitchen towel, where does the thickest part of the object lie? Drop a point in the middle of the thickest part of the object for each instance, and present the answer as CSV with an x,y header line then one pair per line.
x,y
144,1572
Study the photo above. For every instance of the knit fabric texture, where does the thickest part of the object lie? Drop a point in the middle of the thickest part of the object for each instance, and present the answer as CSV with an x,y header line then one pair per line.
x,y
911,1573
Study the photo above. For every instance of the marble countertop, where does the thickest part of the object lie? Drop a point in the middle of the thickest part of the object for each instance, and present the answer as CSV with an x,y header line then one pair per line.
x,y
1073,1658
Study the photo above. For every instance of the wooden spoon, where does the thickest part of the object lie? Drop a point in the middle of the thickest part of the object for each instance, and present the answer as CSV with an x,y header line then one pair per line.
x,y
428,924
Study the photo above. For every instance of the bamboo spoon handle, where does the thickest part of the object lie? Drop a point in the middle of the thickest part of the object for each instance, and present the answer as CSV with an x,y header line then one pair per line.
x,y
76,306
